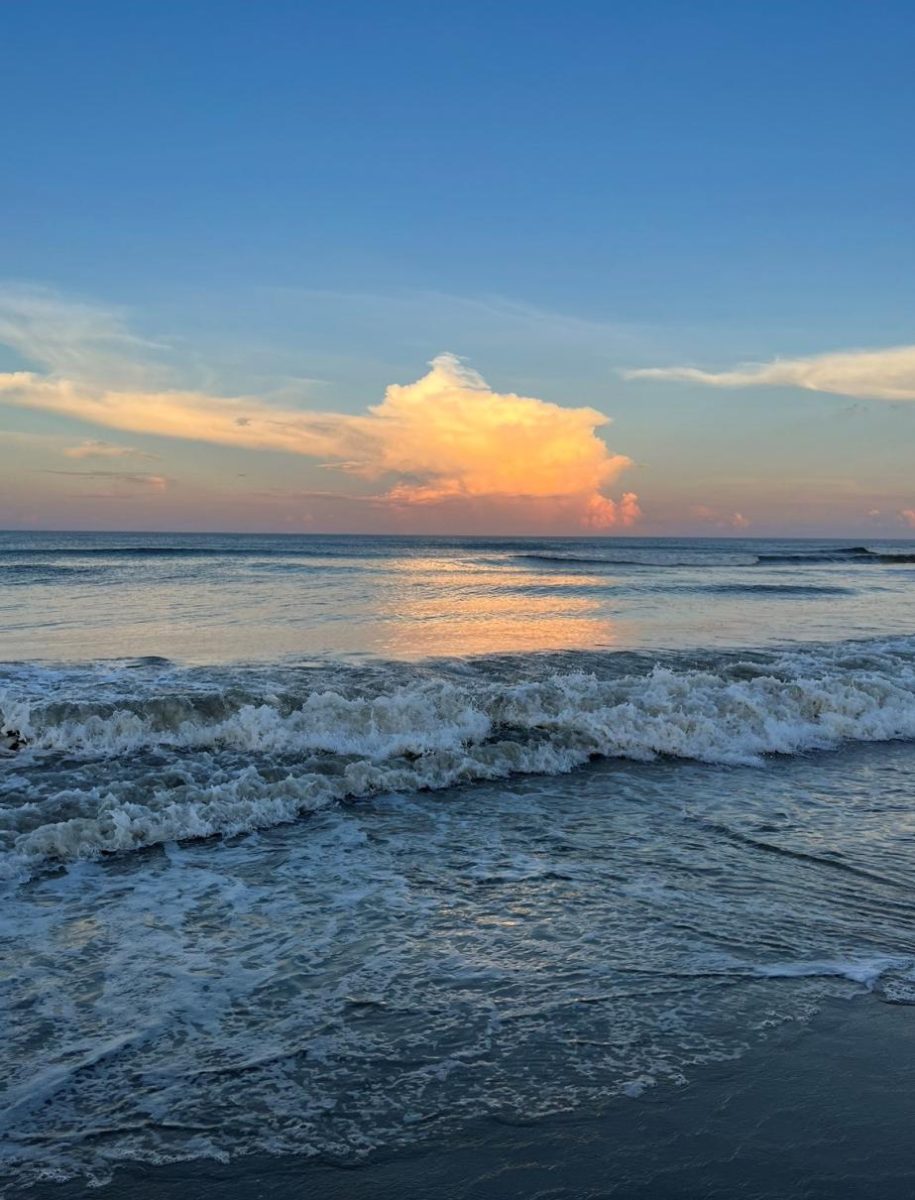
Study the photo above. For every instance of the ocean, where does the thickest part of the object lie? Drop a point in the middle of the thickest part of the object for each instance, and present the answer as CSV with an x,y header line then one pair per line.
x,y
332,849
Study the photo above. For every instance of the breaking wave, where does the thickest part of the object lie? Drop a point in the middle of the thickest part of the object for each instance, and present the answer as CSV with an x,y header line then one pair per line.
x,y
121,759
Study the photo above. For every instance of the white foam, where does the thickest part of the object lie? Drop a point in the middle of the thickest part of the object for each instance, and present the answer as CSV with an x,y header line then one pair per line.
x,y
866,971
279,755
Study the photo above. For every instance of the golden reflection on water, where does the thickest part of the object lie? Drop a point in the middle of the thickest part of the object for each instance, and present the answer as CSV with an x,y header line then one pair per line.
x,y
376,598
412,606
442,607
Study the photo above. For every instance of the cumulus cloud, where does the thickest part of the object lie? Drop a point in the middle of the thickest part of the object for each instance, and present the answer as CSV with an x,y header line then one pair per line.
x,y
449,435
908,515
864,374
446,437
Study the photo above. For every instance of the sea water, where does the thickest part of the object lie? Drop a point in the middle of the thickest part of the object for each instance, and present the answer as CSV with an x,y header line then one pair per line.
x,y
327,846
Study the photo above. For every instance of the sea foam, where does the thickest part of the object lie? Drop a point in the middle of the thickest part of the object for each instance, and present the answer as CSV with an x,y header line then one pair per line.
x,y
148,760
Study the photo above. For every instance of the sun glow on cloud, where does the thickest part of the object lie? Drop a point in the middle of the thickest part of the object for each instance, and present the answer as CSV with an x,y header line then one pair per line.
x,y
444,440
448,435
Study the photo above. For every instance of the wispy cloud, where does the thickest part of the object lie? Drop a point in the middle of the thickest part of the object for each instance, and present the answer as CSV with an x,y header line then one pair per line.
x,y
98,449
709,515
157,483
864,374
445,438
73,339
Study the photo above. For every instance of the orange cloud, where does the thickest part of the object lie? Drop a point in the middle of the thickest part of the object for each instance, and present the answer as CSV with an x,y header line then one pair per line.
x,y
447,437
228,421
601,512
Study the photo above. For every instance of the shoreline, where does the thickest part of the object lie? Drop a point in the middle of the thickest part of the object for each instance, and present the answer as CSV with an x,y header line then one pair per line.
x,y
820,1111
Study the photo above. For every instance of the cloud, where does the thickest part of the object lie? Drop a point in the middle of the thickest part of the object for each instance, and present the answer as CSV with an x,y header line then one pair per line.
x,y
99,449
864,374
445,438
73,339
908,515
714,516
156,483
601,512
116,485
449,435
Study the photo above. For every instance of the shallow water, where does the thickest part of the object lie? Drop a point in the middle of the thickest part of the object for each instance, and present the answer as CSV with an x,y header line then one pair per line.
x,y
335,905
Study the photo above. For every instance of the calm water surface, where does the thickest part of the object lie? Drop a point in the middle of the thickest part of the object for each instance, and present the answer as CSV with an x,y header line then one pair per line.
x,y
225,598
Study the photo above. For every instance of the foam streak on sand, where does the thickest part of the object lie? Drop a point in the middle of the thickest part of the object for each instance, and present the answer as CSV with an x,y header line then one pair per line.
x,y
225,751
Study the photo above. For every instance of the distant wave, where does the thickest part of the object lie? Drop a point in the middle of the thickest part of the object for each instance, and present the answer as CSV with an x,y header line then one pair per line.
x,y
194,756
640,558
167,552
608,556
40,572
774,589
599,560
852,554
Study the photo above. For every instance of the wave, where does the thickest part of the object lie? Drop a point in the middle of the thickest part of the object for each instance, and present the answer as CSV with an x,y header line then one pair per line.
x,y
263,546
595,557
41,572
731,558
774,589
851,554
640,558
114,765
172,552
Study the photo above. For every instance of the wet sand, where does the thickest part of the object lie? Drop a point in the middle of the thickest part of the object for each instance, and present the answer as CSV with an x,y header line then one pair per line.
x,y
824,1111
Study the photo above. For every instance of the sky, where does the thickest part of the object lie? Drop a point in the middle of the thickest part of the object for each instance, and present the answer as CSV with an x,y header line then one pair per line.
x,y
636,268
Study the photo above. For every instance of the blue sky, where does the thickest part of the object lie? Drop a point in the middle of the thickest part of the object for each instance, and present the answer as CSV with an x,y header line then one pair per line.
x,y
309,203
